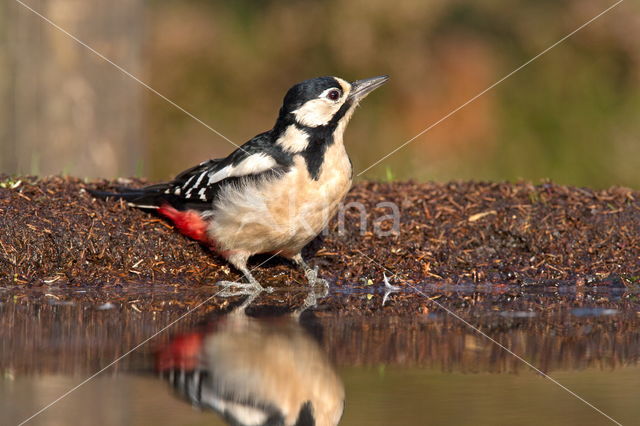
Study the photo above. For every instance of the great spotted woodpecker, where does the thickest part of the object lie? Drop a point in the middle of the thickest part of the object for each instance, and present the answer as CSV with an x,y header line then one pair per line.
x,y
255,371
276,192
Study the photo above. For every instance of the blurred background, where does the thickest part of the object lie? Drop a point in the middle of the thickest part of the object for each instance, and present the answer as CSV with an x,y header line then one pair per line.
x,y
571,115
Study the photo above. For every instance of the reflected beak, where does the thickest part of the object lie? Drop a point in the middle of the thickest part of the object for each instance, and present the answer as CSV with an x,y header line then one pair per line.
x,y
361,88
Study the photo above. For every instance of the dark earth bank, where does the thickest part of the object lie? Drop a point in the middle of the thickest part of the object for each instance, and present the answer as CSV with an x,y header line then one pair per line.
x,y
53,233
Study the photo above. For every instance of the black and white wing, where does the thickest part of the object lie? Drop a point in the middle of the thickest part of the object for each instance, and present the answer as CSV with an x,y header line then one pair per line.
x,y
197,187
257,158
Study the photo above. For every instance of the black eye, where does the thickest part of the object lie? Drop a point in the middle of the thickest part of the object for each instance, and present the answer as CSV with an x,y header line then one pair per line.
x,y
334,95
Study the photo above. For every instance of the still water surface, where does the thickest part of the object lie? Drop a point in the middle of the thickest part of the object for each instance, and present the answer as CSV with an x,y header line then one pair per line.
x,y
389,367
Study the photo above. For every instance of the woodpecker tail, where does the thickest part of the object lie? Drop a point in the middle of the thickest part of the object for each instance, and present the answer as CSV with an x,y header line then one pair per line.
x,y
149,197
186,217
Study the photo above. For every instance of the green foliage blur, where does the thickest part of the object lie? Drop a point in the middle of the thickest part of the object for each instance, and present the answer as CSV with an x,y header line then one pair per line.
x,y
571,115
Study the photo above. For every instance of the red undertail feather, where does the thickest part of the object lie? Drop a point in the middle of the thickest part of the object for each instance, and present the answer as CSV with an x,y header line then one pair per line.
x,y
182,353
188,222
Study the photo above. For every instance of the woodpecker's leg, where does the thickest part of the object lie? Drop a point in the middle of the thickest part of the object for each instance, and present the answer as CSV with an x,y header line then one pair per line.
x,y
239,260
310,273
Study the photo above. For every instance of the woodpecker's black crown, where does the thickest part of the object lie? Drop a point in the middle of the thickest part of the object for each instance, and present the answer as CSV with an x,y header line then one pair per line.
x,y
307,90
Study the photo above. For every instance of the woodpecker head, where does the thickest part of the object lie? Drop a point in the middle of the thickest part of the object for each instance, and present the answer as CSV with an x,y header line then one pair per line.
x,y
324,101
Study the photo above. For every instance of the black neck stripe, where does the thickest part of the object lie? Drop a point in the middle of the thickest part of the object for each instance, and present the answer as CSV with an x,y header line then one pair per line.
x,y
320,138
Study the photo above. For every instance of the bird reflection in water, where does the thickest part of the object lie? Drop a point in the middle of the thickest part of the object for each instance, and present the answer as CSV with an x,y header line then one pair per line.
x,y
255,371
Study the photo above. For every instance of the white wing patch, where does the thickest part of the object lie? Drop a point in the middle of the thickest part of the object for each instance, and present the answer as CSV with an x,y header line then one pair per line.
x,y
199,182
253,164
220,174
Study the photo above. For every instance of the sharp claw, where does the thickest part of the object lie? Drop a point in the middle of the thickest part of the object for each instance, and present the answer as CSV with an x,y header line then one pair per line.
x,y
312,274
313,278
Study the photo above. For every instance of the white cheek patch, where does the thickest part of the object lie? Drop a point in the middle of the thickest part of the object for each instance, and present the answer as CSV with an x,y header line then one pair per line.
x,y
316,112
293,140
253,164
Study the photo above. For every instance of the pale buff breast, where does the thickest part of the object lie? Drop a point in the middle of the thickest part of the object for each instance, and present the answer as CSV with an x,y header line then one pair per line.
x,y
286,213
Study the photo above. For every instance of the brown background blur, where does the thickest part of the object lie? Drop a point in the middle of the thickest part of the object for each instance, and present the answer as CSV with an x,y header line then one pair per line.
x,y
571,116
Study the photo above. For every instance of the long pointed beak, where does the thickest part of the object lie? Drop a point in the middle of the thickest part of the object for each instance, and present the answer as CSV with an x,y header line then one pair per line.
x,y
361,88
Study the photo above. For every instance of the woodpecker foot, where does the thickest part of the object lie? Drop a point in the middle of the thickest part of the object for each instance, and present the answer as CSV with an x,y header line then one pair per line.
x,y
239,260
310,273
234,288
314,279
